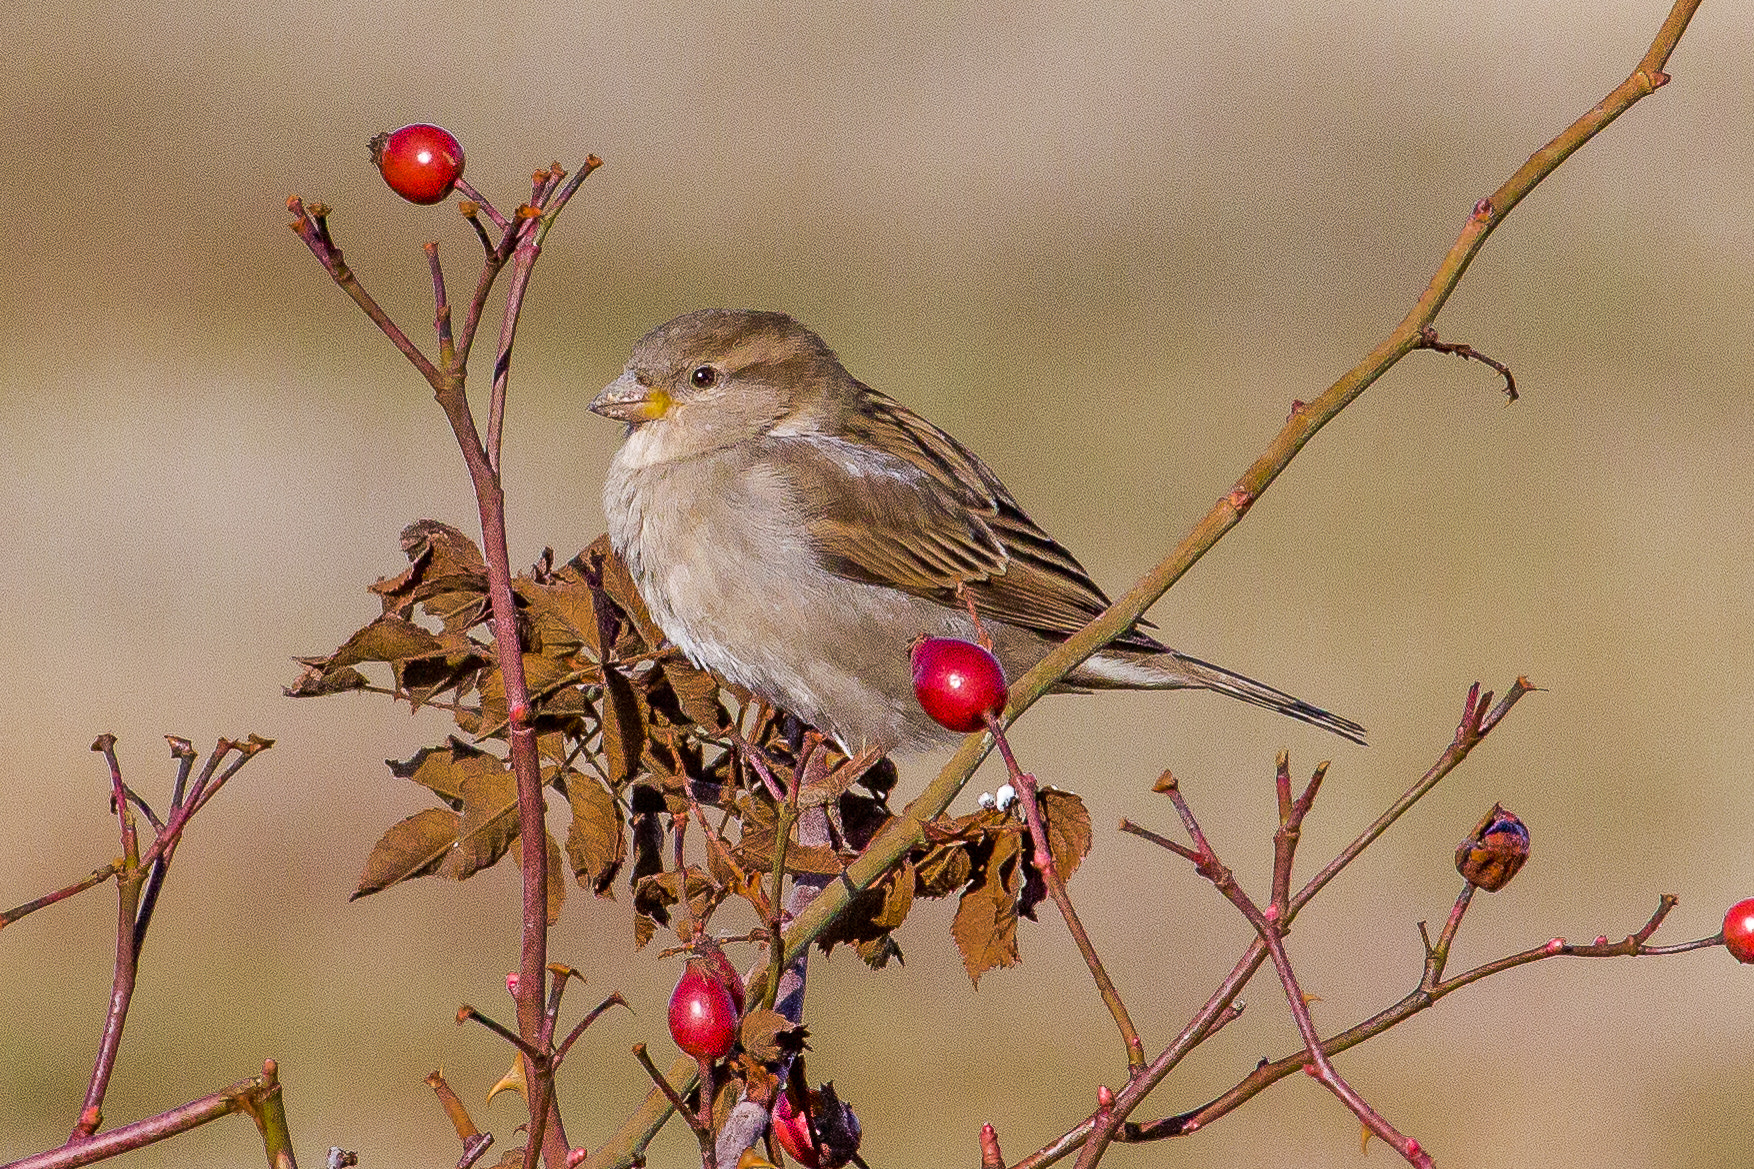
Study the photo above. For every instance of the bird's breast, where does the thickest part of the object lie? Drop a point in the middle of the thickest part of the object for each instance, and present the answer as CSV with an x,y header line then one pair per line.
x,y
719,550
717,547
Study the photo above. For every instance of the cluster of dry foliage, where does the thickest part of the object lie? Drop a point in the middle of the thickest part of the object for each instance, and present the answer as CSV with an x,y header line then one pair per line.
x,y
640,744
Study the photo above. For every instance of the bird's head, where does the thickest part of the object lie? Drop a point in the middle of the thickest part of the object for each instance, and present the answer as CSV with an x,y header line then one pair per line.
x,y
718,377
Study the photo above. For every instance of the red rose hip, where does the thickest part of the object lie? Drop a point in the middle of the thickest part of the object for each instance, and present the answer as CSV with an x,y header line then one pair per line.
x,y
822,1134
421,162
957,682
1739,930
791,1128
717,964
703,1016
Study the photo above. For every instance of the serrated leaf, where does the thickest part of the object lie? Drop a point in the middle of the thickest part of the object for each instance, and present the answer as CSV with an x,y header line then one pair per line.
x,y
489,824
422,679
878,952
459,604
985,927
624,728
415,847
551,747
562,611
874,912
755,851
898,898
389,638
315,680
619,585
769,1036
596,838
697,692
724,870
654,896
550,682
447,548
1067,821
944,870
442,770
446,576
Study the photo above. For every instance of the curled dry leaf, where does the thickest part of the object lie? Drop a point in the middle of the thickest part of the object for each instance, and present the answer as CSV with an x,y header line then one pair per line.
x,y
985,927
769,1036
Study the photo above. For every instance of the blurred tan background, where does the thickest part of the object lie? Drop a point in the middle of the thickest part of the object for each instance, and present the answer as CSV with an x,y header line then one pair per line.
x,y
1107,248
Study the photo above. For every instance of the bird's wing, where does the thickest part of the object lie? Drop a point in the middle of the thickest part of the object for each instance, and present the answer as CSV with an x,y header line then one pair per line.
x,y
898,502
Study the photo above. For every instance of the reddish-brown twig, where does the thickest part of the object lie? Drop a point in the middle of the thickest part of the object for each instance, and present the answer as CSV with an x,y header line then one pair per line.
x,y
1431,988
257,1097
139,878
520,244
1043,857
1475,723
1269,927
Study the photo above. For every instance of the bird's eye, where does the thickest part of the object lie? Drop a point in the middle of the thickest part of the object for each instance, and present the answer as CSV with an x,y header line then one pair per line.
x,y
703,376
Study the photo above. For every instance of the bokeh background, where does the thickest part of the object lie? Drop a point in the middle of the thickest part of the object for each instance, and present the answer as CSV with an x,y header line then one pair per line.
x,y
1106,245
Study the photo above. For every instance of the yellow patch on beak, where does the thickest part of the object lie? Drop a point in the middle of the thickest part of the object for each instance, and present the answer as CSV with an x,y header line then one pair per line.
x,y
625,400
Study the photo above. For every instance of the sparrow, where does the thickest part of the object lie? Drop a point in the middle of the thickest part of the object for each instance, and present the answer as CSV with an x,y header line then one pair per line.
x,y
795,531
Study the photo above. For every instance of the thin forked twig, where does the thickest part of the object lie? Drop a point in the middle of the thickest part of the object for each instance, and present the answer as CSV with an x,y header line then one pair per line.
x,y
1043,857
1270,929
1475,723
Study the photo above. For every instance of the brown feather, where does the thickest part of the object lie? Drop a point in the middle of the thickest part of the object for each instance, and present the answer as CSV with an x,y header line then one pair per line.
x,y
925,515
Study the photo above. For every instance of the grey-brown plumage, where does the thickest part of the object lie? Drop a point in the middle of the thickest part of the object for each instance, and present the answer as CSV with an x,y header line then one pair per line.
x,y
794,530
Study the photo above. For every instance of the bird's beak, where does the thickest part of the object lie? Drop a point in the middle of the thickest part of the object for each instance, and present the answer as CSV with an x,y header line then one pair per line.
x,y
627,400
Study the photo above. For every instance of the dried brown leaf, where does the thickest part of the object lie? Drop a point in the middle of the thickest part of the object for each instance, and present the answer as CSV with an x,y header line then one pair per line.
x,y
596,839
696,691
944,870
423,679
654,896
624,728
873,914
1067,821
442,770
317,679
446,548
755,851
770,1036
608,568
561,612
551,683
489,825
985,927
387,639
446,576
879,951
416,847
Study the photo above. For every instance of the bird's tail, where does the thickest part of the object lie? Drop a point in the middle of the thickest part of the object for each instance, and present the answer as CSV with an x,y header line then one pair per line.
x,y
1170,670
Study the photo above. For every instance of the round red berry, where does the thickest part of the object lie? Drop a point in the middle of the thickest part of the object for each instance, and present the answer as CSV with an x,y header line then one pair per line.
x,y
1739,930
703,1016
957,682
717,964
420,162
823,1133
791,1128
